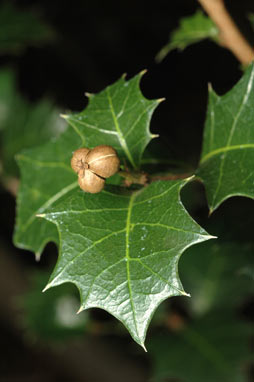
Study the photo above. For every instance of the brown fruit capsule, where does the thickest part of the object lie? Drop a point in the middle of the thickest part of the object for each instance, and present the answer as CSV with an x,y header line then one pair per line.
x,y
78,159
103,161
90,182
93,166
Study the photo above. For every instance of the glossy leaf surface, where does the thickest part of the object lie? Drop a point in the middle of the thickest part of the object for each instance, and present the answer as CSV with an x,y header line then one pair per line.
x,y
118,116
226,165
121,249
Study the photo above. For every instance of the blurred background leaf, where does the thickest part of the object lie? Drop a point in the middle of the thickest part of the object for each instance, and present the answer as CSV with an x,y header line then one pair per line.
x,y
214,273
21,28
23,124
52,316
213,348
191,30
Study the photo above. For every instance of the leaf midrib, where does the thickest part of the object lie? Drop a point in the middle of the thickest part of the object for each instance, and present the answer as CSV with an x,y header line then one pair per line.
x,y
127,255
117,127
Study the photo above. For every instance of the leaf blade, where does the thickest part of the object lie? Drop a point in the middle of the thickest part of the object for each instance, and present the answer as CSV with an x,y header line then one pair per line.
x,y
124,261
45,179
90,128
228,143
121,116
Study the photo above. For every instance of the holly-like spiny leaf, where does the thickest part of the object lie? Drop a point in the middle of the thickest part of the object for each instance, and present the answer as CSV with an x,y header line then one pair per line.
x,y
118,116
121,249
227,161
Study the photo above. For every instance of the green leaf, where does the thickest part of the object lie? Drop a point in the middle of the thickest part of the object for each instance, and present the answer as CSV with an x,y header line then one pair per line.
x,y
118,116
226,165
46,176
121,249
191,30
215,275
213,349
20,29
51,316
22,123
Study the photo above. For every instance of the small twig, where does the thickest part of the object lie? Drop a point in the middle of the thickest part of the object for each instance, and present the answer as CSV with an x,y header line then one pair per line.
x,y
230,35
133,178
144,178
169,177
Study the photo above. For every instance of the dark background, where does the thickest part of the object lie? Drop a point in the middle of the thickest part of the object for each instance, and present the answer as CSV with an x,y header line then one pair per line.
x,y
98,41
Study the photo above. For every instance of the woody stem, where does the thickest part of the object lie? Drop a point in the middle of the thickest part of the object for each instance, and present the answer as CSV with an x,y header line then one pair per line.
x,y
230,35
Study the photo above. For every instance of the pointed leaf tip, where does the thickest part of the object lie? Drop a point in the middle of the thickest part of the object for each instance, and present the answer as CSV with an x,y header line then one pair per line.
x,y
64,116
48,286
89,95
142,72
159,100
80,310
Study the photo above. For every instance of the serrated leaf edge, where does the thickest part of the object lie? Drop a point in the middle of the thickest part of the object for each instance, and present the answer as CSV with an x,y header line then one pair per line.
x,y
118,131
200,238
228,148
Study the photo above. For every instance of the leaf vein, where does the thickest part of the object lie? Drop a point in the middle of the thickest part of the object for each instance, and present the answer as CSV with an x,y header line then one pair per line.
x,y
44,164
236,119
159,276
157,196
127,256
119,133
95,278
225,149
84,252
48,203
168,227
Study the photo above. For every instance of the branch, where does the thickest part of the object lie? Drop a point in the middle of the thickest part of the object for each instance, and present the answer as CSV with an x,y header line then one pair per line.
x,y
144,178
230,35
